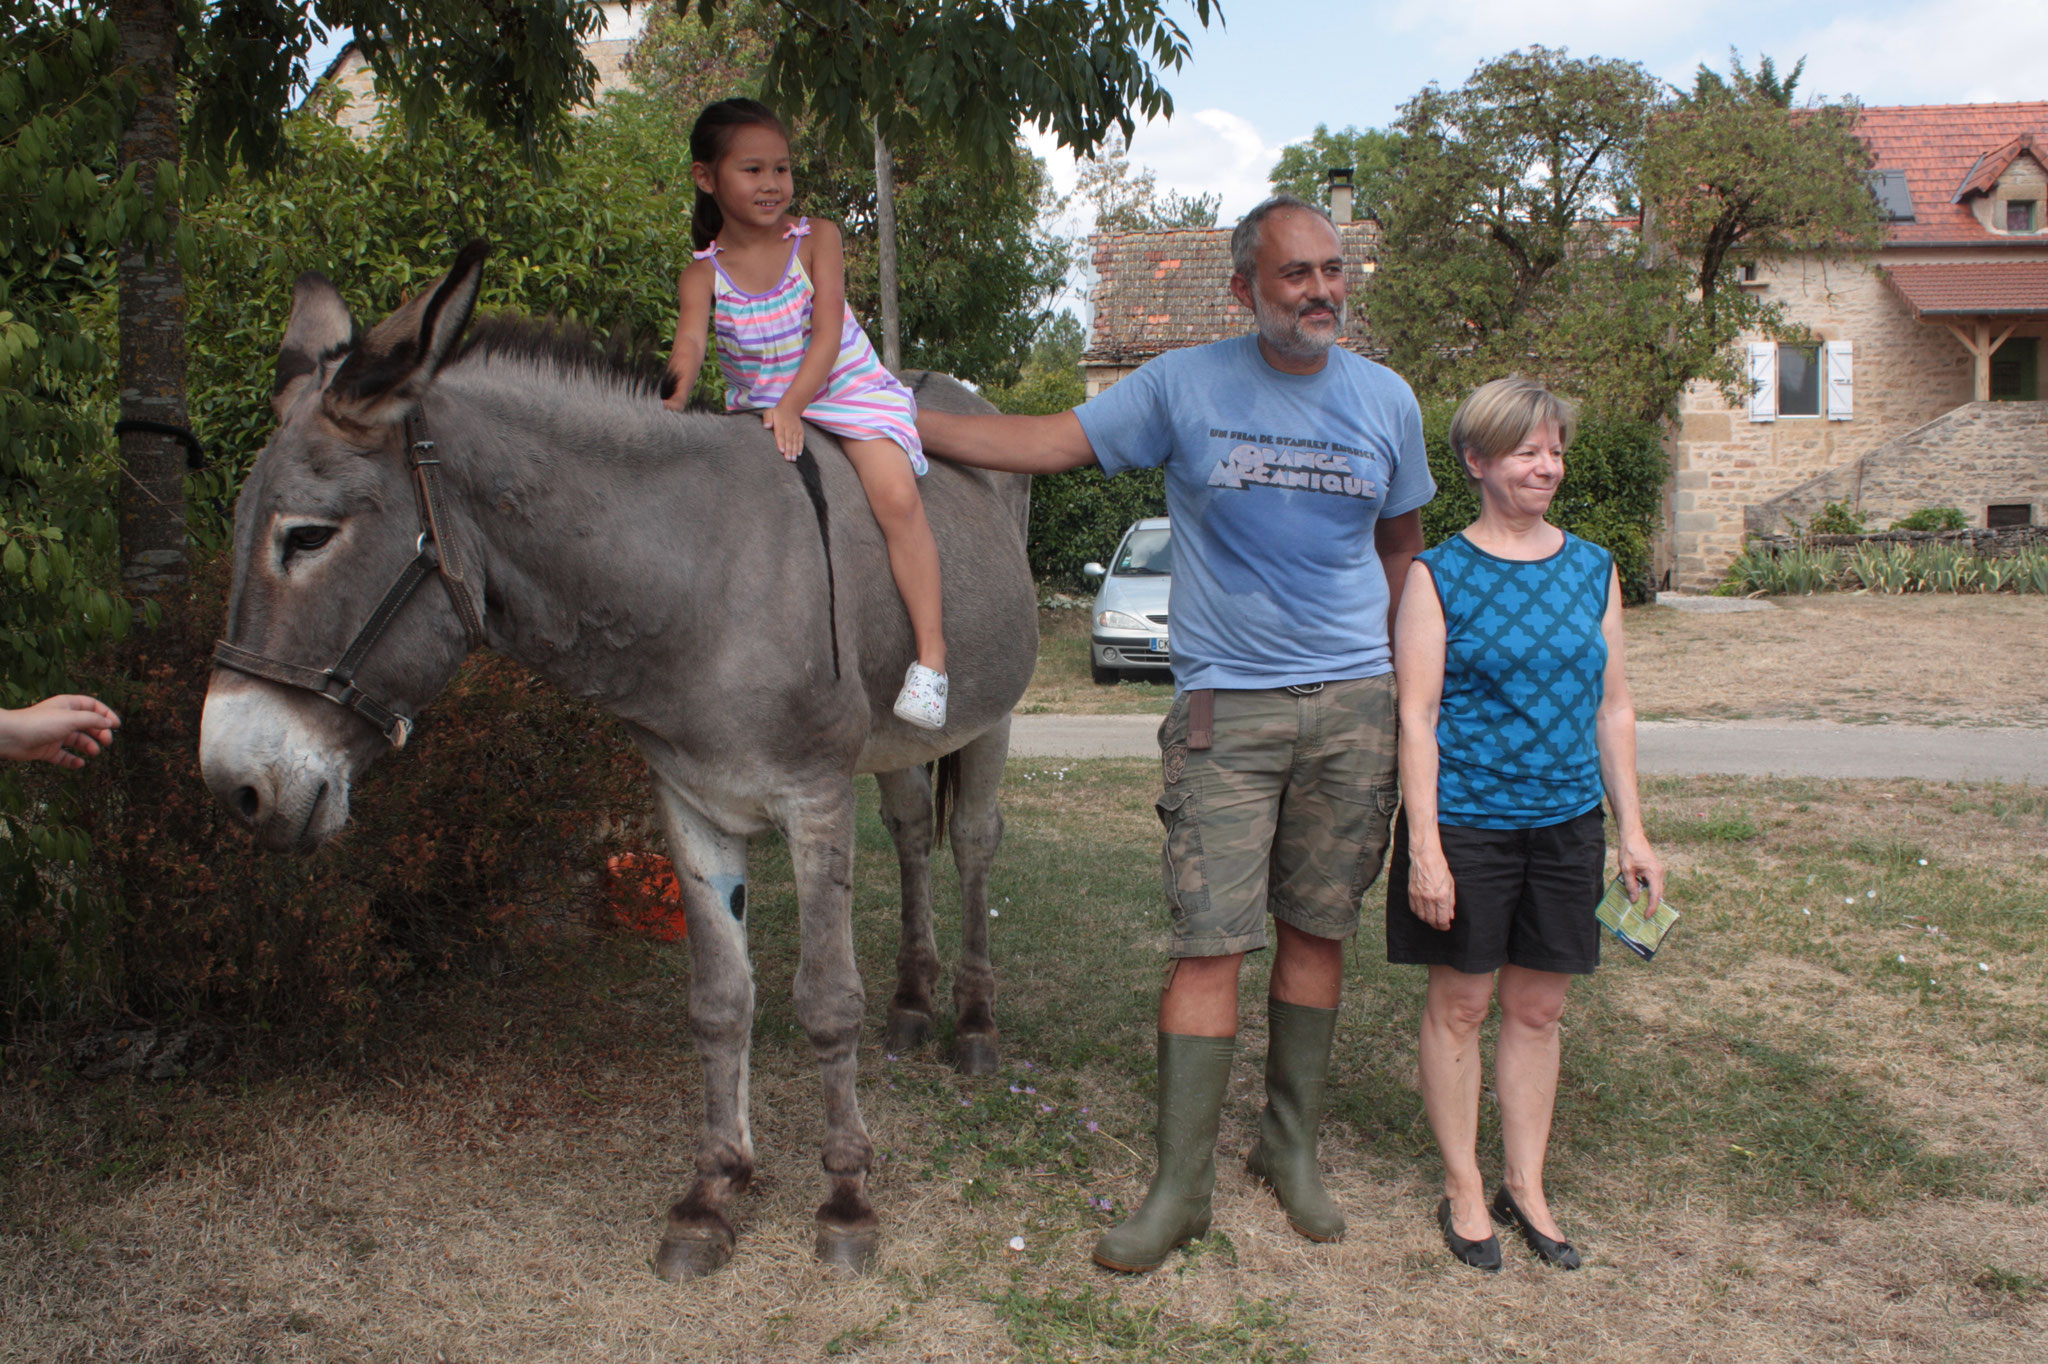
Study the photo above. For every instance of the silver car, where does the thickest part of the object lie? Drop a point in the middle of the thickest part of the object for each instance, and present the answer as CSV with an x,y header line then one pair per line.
x,y
1128,636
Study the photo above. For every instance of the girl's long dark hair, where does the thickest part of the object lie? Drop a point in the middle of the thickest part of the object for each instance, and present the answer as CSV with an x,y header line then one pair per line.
x,y
709,138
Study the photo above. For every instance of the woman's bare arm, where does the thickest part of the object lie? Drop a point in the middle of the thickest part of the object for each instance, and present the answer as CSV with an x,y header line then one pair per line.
x,y
1614,730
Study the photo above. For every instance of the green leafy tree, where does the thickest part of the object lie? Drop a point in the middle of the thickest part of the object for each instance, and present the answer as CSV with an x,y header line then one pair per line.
x,y
1733,172
204,87
1303,169
1502,198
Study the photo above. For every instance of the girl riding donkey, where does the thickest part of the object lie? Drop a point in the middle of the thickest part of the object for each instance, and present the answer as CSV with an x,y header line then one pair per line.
x,y
791,349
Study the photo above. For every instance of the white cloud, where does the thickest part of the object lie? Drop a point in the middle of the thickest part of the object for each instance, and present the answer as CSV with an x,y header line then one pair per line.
x,y
1936,52
1486,28
1207,151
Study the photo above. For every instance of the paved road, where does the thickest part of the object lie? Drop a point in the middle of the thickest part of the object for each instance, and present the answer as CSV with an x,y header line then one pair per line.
x,y
1742,748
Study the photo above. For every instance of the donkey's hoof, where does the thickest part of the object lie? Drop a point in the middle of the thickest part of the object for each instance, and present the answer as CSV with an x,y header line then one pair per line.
x,y
692,1252
907,1031
976,1054
848,1250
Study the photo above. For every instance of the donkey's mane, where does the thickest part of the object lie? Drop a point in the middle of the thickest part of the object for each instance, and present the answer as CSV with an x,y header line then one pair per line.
x,y
568,349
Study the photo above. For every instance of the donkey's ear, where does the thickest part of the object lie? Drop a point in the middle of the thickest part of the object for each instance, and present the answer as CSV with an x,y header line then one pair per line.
x,y
320,327
387,373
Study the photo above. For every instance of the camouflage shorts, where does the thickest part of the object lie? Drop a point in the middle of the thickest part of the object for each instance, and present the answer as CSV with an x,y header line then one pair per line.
x,y
1286,814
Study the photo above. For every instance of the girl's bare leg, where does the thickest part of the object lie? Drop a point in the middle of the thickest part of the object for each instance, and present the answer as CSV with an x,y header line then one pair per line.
x,y
891,486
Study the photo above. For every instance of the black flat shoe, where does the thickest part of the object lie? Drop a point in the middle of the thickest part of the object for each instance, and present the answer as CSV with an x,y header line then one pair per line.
x,y
1559,1253
1478,1254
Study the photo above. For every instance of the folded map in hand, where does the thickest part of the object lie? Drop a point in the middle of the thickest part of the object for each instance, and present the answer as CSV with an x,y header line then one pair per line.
x,y
1640,935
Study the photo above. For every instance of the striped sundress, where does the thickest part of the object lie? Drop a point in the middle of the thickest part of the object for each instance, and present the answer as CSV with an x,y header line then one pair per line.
x,y
761,342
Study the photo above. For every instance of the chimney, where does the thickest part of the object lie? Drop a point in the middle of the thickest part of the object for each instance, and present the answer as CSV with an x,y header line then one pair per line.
x,y
1340,193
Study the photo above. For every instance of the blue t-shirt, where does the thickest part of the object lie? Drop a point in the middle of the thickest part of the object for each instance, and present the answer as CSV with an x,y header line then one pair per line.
x,y
1525,669
1274,482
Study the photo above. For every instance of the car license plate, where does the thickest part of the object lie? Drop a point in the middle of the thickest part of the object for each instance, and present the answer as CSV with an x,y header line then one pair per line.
x,y
1159,644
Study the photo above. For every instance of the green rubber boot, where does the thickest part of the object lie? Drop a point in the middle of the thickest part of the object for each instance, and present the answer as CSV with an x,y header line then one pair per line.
x,y
1297,1068
1193,1073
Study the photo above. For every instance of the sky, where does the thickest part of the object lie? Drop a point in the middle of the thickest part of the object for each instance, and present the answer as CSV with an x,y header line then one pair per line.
x,y
1277,68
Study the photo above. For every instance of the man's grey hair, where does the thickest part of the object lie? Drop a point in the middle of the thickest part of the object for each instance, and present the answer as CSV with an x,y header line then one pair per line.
x,y
1244,238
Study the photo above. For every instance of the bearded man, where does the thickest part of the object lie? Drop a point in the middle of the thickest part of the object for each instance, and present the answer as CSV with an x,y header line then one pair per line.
x,y
1295,477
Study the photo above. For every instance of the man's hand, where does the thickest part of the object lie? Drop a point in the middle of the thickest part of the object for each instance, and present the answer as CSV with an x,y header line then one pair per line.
x,y
788,425
65,730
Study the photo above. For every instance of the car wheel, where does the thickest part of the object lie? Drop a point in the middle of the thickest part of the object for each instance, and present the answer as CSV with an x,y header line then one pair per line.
x,y
1104,677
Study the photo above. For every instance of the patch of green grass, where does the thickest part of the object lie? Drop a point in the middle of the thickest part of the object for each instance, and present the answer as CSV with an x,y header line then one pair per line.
x,y
1058,1327
2009,1283
1711,826
857,1338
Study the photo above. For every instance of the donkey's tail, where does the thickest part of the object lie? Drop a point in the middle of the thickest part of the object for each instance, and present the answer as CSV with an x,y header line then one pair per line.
x,y
945,788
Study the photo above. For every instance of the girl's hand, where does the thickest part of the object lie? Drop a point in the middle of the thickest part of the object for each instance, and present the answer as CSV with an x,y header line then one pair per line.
x,y
1432,894
1640,870
678,398
788,425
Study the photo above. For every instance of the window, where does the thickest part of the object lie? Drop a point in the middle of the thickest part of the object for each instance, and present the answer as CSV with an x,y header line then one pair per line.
x,y
2000,515
2020,214
2016,370
1793,380
1798,381
1749,272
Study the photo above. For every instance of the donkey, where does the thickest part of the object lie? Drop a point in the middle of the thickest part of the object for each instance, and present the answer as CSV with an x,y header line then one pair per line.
x,y
737,613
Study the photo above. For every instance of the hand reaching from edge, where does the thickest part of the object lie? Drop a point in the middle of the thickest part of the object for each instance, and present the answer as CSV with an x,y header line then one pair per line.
x,y
65,730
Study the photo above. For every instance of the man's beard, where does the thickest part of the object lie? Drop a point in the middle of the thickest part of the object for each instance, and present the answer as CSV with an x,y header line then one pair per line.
x,y
1283,331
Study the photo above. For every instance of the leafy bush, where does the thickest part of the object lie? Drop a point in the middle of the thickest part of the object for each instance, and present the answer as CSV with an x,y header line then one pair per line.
x,y
1882,568
1933,518
1612,493
1793,572
1836,519
479,843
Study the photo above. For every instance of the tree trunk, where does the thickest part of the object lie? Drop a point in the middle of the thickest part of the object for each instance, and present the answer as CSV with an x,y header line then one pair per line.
x,y
885,251
152,313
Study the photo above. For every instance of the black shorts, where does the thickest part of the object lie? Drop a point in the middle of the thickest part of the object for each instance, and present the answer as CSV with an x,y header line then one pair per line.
x,y
1525,898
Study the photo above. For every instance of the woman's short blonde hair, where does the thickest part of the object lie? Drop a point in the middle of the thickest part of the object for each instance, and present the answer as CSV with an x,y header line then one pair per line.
x,y
1500,415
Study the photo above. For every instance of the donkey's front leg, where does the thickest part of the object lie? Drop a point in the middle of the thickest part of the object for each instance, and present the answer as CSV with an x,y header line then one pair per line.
x,y
711,867
829,1005
907,811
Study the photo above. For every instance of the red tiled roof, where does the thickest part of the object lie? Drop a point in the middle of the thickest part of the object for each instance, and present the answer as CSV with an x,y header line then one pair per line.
x,y
2013,288
1160,291
1945,149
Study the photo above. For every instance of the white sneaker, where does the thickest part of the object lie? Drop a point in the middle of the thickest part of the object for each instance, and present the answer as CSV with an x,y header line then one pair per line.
x,y
922,702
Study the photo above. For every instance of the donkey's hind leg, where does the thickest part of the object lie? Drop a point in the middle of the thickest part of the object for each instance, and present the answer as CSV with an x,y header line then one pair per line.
x,y
711,867
907,811
829,1005
977,829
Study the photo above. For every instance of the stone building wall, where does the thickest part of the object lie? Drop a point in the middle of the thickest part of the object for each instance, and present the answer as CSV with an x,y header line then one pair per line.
x,y
1971,458
1906,373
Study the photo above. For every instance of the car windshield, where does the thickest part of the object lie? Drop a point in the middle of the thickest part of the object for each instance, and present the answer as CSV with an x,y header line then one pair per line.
x,y
1147,554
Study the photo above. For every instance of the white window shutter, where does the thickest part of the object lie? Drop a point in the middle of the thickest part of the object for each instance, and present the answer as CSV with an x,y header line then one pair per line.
x,y
1841,368
1763,381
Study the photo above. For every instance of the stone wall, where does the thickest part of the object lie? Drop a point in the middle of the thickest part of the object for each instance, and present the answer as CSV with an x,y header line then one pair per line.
x,y
1969,458
1906,374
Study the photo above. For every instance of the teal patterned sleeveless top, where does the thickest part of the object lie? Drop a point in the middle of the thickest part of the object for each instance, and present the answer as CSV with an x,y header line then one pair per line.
x,y
1523,666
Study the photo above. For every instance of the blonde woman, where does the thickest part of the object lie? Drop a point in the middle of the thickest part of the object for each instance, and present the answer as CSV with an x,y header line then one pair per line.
x,y
1515,722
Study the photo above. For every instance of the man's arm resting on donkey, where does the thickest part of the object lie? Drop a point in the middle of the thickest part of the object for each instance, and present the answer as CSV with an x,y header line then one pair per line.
x,y
1007,443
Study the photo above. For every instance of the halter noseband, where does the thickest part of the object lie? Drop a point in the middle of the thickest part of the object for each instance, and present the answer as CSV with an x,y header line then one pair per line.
x,y
436,551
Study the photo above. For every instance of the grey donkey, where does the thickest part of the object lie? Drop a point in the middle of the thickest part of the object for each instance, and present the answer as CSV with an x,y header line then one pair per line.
x,y
673,569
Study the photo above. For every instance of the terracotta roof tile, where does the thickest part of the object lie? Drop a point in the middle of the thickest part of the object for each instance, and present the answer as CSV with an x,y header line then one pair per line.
x,y
1160,291
1943,148
2011,288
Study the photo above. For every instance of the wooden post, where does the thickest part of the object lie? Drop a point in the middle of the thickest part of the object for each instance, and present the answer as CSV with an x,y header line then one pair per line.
x,y
1982,347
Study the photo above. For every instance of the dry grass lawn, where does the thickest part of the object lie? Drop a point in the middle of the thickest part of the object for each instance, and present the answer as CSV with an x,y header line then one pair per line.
x,y
1810,1131
1931,660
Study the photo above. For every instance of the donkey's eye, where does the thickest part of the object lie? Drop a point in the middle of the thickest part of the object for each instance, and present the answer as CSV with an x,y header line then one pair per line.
x,y
300,539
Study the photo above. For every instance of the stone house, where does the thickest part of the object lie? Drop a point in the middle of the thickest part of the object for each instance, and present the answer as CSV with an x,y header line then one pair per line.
x,y
1160,291
1923,383
607,52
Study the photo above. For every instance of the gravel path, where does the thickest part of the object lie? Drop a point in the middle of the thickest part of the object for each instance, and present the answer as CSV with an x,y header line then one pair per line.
x,y
1736,748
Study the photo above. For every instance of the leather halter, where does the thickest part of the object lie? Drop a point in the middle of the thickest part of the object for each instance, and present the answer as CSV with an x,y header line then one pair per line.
x,y
437,551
